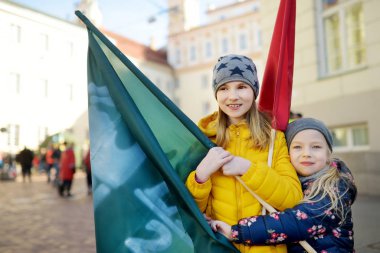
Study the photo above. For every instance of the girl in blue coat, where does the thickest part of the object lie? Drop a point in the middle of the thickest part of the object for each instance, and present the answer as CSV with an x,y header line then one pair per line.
x,y
323,218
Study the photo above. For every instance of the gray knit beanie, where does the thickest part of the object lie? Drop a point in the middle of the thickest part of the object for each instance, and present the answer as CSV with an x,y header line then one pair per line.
x,y
307,123
235,68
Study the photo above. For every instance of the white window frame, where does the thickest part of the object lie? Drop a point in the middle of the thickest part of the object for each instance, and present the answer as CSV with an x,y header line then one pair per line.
x,y
14,84
350,140
13,139
208,50
16,33
322,49
224,45
192,53
243,41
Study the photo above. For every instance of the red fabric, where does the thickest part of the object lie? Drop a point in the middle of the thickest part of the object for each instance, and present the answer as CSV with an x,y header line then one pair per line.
x,y
276,90
67,165
49,156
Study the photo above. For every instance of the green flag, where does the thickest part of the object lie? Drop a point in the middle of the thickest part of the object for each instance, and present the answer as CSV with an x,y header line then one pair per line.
x,y
142,149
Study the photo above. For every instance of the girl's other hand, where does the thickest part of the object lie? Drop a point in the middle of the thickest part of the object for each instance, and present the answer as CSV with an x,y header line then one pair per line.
x,y
236,167
213,161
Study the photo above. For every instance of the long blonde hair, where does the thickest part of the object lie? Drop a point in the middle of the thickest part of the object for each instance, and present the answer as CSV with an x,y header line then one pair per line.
x,y
259,125
328,185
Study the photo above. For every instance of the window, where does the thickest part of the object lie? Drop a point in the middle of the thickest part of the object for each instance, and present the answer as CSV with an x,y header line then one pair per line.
x,y
177,56
13,134
43,88
44,42
242,42
350,138
14,85
16,33
208,50
341,35
258,39
193,53
224,45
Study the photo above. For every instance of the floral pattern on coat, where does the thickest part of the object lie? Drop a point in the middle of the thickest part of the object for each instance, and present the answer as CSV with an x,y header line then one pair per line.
x,y
320,227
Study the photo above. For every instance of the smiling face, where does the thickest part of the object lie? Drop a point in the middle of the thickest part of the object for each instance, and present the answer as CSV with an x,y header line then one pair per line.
x,y
309,152
235,100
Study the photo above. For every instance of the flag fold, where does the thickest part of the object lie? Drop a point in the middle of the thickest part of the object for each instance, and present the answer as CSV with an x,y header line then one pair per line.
x,y
142,149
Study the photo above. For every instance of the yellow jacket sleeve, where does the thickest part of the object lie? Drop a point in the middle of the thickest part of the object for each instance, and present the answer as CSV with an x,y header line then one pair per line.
x,y
200,192
279,185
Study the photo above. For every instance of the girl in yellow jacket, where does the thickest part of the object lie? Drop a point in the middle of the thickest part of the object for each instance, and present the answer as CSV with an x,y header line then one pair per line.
x,y
242,134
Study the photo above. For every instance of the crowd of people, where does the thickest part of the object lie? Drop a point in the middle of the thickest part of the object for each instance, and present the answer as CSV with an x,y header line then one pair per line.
x,y
57,161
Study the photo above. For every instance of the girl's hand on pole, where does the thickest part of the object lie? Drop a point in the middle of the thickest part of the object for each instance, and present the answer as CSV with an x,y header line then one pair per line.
x,y
236,167
213,161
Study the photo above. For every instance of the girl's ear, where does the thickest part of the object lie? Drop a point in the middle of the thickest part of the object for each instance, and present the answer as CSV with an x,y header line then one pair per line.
x,y
329,159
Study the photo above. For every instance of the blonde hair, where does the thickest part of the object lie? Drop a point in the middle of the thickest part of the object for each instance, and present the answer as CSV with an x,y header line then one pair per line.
x,y
259,125
327,185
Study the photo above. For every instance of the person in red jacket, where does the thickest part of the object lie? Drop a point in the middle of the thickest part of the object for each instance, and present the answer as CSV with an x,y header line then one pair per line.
x,y
67,170
49,161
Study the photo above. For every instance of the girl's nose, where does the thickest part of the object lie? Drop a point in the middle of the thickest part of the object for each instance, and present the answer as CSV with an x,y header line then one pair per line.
x,y
306,151
233,94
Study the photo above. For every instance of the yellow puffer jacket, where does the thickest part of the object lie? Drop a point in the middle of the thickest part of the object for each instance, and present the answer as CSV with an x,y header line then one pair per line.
x,y
224,198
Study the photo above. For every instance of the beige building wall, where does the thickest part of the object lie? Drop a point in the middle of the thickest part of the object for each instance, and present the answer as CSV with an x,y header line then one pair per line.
x,y
43,76
193,53
342,100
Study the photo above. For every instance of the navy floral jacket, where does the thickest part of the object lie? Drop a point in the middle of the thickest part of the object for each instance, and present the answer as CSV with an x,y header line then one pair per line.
x,y
312,222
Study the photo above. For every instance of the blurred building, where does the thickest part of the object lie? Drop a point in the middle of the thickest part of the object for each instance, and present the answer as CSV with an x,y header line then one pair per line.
x,y
195,46
336,76
43,74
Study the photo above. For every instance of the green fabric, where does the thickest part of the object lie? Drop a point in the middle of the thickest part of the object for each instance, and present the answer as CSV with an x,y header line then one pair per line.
x,y
142,149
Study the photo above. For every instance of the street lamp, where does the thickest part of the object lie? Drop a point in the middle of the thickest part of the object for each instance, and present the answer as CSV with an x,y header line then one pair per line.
x,y
153,18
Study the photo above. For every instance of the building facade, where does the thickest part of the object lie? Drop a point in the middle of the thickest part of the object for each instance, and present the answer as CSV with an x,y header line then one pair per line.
x,y
336,72
43,74
194,50
336,77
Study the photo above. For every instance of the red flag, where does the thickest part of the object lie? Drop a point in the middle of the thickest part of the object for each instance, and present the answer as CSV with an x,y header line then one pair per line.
x,y
276,91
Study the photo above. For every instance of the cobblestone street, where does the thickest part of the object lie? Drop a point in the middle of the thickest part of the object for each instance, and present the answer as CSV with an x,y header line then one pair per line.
x,y
34,219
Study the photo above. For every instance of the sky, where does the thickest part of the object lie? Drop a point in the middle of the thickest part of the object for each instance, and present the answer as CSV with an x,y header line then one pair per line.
x,y
126,17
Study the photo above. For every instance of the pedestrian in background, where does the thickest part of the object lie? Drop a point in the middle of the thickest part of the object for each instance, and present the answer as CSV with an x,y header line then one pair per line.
x,y
49,161
25,158
87,165
67,170
56,158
